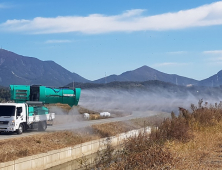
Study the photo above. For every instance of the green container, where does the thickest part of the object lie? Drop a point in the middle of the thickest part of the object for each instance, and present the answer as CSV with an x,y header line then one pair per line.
x,y
47,95
38,110
31,111
65,96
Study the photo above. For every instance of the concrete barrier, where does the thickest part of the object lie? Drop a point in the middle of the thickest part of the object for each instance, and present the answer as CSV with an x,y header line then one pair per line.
x,y
57,157
8,165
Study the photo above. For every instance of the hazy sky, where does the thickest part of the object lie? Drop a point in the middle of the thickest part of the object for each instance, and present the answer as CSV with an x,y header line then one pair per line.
x,y
91,37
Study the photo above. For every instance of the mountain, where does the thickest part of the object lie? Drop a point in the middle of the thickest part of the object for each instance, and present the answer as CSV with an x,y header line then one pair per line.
x,y
146,73
215,80
17,69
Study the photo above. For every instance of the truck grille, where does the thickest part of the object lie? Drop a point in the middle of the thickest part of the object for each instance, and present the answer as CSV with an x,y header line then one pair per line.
x,y
3,122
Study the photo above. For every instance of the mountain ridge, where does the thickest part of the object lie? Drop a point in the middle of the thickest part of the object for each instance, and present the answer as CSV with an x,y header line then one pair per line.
x,y
18,69
146,73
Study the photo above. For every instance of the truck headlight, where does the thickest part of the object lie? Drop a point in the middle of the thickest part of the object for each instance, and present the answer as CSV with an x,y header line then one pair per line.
x,y
12,123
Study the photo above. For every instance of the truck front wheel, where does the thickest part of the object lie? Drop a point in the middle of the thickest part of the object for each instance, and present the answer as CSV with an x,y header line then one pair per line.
x,y
20,129
42,126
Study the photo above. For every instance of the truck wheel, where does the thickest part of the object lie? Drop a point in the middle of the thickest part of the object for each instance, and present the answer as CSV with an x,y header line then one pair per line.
x,y
42,126
20,129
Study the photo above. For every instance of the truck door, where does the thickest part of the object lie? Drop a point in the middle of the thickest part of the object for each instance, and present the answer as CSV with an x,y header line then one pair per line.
x,y
20,114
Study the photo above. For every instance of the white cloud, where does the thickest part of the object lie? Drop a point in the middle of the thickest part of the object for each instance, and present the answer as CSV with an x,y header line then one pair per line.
x,y
57,41
214,52
215,60
177,52
169,64
214,57
131,20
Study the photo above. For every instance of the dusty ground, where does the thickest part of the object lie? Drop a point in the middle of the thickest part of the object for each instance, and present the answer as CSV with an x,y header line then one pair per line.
x,y
12,149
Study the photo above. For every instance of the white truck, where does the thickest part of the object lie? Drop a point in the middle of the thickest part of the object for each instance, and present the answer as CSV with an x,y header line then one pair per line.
x,y
28,111
18,117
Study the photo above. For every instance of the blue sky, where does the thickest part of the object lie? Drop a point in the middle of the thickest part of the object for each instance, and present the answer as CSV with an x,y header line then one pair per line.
x,y
93,37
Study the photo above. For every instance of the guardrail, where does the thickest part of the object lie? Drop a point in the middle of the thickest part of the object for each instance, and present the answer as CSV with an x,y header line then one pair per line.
x,y
57,157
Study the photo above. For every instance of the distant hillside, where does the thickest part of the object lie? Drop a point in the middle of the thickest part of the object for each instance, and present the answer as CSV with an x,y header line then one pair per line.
x,y
17,69
146,73
215,80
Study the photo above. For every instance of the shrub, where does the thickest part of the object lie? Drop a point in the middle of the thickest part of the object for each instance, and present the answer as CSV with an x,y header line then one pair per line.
x,y
138,153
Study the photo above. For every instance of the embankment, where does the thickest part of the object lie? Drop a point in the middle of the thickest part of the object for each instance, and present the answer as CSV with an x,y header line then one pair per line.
x,y
57,157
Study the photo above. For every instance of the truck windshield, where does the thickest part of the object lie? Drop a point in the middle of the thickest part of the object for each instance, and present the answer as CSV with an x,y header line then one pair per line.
x,y
7,110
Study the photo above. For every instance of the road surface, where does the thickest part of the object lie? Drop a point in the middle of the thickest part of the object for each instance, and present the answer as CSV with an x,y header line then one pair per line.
x,y
76,124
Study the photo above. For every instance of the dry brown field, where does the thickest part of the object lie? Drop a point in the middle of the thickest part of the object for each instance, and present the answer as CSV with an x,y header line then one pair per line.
x,y
192,140
12,149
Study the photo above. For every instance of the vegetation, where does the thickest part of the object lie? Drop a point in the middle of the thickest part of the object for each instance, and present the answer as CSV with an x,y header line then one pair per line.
x,y
12,149
189,141
4,94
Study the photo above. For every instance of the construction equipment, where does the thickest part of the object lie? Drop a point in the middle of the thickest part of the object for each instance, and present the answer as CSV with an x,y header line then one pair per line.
x,y
28,110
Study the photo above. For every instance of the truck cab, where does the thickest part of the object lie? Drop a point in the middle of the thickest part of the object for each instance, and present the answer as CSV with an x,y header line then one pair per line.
x,y
18,117
11,116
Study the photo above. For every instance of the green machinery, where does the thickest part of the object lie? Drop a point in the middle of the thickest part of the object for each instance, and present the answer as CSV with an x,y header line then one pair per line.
x,y
35,96
46,95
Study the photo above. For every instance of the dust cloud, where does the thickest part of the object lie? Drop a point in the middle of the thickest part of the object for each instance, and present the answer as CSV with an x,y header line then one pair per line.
x,y
140,100
121,102
66,117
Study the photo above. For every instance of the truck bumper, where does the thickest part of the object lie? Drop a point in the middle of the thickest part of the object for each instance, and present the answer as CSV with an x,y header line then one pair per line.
x,y
7,129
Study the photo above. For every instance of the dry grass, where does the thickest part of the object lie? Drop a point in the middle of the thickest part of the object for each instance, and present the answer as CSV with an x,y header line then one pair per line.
x,y
136,153
112,129
202,152
85,110
189,141
153,121
65,107
94,116
12,149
